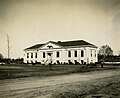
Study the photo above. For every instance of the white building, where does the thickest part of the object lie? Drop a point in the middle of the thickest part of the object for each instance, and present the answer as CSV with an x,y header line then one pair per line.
x,y
78,51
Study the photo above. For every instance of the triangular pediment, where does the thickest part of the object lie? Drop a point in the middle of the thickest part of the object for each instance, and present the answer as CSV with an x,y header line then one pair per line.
x,y
50,44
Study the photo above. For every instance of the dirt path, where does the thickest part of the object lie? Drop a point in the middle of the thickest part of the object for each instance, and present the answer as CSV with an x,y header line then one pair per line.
x,y
20,86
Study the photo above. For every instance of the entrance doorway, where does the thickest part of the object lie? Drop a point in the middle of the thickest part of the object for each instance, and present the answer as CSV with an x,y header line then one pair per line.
x,y
49,57
49,54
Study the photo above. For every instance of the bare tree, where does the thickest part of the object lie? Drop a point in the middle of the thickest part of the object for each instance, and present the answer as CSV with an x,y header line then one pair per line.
x,y
105,50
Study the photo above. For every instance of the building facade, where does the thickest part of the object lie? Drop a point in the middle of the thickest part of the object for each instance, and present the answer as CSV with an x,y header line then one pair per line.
x,y
73,52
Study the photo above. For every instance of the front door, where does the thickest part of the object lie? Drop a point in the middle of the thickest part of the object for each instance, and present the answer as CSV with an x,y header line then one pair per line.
x,y
49,57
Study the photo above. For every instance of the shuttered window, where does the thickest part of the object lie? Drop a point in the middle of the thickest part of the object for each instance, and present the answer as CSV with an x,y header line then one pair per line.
x,y
69,53
31,55
82,53
43,54
27,55
91,53
75,54
58,54
35,55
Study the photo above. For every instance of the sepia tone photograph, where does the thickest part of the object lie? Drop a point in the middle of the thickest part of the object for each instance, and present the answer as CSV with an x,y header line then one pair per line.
x,y
59,48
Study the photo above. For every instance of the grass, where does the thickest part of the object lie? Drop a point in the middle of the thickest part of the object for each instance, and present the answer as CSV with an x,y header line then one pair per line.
x,y
23,70
100,88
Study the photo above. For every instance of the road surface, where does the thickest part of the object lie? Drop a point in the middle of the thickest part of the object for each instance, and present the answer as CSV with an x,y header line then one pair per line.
x,y
18,88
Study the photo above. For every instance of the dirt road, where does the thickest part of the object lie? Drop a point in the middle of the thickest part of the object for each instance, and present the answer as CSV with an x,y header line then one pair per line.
x,y
18,88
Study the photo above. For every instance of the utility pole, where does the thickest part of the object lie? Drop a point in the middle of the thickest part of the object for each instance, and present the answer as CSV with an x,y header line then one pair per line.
x,y
8,50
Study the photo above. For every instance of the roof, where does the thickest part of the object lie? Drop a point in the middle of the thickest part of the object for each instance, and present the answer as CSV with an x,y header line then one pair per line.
x,y
65,44
75,43
34,47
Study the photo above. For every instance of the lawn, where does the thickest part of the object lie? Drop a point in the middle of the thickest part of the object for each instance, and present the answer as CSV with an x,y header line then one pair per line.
x,y
24,70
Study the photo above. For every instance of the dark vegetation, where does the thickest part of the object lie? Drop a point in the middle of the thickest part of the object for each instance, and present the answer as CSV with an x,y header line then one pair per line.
x,y
109,58
9,71
11,61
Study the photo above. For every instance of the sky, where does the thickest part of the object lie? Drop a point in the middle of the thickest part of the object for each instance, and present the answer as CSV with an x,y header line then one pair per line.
x,y
30,22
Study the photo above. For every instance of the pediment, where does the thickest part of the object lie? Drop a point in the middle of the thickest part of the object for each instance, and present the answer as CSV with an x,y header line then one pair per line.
x,y
50,45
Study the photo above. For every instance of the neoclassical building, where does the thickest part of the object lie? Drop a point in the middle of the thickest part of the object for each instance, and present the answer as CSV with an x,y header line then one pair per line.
x,y
78,51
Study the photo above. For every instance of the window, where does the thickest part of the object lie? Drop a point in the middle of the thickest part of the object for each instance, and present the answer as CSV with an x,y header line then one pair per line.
x,y
58,54
69,53
82,53
58,62
35,61
27,55
82,62
91,53
70,62
31,55
43,54
75,54
35,55
27,62
95,53
76,62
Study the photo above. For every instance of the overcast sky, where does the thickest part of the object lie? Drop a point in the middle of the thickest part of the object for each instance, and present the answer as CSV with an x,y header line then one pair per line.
x,y
29,22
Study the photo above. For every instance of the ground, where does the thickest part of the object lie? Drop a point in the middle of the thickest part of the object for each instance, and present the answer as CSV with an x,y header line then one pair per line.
x,y
11,71
96,84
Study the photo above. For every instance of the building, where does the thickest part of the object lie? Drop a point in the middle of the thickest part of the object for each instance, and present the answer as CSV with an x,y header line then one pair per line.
x,y
78,51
